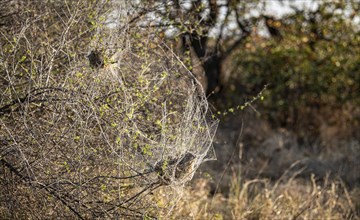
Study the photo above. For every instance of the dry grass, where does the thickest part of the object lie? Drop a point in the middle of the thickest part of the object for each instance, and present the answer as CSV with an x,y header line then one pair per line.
x,y
261,199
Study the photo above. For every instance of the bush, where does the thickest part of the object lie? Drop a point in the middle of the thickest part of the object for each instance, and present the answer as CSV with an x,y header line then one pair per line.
x,y
94,141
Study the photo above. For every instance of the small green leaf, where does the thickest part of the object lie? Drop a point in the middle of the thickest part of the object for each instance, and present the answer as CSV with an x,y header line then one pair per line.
x,y
23,58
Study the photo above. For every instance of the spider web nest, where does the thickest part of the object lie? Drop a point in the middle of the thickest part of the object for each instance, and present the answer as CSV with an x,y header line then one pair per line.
x,y
169,126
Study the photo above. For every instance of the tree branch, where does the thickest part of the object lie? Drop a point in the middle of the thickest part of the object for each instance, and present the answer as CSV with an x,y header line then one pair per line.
x,y
228,12
246,31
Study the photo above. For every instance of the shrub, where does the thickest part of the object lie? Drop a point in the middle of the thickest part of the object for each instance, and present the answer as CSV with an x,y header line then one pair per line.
x,y
94,141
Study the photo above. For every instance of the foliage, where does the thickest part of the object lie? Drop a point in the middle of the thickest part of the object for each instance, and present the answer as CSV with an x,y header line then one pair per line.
x,y
311,66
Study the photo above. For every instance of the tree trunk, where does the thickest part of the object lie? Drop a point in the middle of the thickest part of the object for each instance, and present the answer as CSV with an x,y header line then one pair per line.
x,y
212,68
211,61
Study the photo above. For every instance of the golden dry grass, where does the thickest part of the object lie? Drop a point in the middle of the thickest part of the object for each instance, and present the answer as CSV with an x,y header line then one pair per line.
x,y
261,199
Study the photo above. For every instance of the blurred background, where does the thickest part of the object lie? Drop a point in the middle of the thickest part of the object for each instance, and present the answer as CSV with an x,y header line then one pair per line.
x,y
306,53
